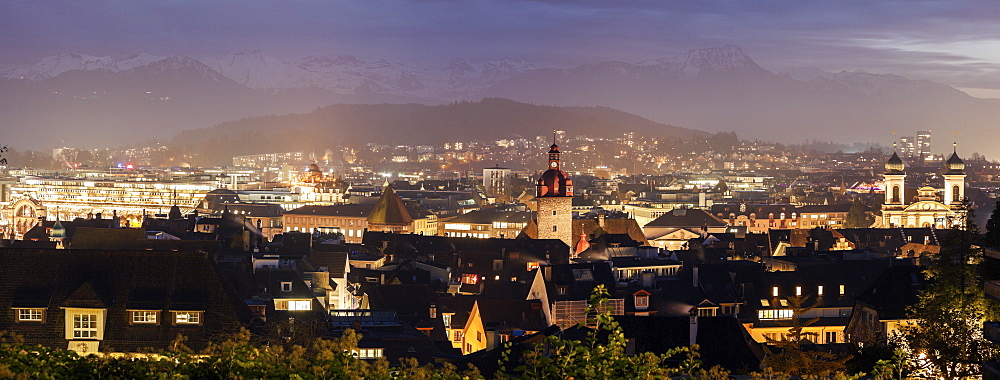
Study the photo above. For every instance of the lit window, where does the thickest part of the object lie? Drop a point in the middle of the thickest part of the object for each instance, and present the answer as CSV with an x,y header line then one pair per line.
x,y
143,316
764,302
842,290
368,353
187,317
642,301
819,290
774,291
84,325
798,290
29,315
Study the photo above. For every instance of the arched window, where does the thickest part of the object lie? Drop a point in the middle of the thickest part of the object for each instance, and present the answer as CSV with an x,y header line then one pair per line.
x,y
955,196
895,194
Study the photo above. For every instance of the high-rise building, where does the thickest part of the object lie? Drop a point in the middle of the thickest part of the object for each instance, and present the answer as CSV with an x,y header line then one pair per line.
x,y
495,181
923,144
908,146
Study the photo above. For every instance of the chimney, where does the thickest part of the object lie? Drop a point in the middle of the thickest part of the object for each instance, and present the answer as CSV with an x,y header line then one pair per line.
x,y
648,279
694,276
693,329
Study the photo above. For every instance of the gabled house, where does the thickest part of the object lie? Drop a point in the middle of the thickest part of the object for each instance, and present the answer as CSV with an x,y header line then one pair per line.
x,y
115,301
881,309
494,322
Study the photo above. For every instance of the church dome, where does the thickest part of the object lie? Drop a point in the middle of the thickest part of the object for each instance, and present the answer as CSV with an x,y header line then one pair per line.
x,y
894,165
954,164
555,183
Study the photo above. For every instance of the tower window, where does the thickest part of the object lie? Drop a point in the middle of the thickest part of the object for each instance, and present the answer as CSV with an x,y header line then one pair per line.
x,y
895,194
555,228
954,194
553,212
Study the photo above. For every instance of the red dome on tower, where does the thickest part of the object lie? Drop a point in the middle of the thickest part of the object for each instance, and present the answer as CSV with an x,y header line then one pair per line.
x,y
554,182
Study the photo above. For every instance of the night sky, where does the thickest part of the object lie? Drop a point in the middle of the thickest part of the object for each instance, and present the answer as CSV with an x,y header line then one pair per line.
x,y
952,42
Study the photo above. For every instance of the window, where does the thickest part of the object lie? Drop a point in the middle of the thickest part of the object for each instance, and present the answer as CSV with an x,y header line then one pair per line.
x,y
458,335
774,291
84,325
292,305
706,312
842,290
561,290
555,228
368,353
819,290
286,287
553,212
798,290
144,317
30,315
479,336
774,314
831,337
641,301
187,317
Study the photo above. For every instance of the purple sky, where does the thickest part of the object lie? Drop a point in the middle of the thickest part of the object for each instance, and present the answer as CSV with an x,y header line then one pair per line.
x,y
953,42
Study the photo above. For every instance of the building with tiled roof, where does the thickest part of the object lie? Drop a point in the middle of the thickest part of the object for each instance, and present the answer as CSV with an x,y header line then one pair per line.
x,y
121,301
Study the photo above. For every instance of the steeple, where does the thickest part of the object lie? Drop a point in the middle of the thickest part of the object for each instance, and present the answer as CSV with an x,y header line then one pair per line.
x,y
955,165
389,211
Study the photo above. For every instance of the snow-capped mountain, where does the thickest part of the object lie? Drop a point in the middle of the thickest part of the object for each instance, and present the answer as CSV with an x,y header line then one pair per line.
x,y
706,62
50,67
342,75
347,74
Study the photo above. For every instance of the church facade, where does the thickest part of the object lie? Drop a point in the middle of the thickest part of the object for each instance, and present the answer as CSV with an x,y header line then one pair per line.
x,y
931,207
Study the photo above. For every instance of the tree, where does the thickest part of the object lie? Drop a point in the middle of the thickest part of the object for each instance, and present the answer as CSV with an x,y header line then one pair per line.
x,y
791,358
601,355
946,340
858,216
992,237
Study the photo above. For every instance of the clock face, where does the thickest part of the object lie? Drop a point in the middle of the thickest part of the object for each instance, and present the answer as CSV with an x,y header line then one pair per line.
x,y
553,164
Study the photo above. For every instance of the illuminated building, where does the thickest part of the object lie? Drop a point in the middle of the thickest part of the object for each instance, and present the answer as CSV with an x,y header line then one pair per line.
x,y
130,200
926,209
554,219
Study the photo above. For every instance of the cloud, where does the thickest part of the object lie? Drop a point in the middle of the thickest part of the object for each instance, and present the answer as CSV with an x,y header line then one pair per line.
x,y
913,38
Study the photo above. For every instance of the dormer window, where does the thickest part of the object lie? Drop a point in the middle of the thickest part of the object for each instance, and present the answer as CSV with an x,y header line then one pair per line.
x,y
774,291
798,290
842,290
819,290
561,290
30,315
286,287
187,317
144,317
641,299
85,325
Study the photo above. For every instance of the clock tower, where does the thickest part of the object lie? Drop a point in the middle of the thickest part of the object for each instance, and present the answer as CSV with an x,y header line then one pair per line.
x,y
555,201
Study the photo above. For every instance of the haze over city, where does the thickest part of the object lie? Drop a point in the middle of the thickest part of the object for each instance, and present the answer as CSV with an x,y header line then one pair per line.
x,y
770,71
500,189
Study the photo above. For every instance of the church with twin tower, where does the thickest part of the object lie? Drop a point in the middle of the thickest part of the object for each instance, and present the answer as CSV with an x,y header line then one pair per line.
x,y
927,208
554,197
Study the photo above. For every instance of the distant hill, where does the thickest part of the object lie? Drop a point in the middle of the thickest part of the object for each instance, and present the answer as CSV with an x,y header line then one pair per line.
x,y
411,124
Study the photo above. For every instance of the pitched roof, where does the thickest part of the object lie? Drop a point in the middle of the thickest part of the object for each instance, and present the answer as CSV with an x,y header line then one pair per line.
x,y
117,281
686,218
389,209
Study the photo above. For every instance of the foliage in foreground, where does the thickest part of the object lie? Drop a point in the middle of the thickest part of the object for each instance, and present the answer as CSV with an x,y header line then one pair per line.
x,y
599,355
